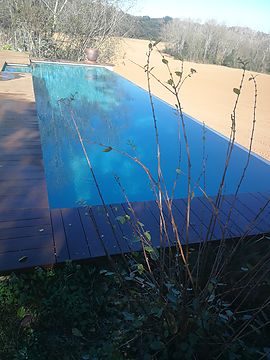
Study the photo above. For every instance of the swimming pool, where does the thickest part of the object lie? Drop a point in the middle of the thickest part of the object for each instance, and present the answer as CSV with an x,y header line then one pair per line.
x,y
112,111
18,68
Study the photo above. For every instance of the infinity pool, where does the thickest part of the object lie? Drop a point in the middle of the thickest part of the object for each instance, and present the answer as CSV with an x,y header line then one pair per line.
x,y
18,68
111,111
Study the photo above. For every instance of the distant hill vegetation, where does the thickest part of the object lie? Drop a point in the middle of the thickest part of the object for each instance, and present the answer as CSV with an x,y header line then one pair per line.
x,y
205,43
145,27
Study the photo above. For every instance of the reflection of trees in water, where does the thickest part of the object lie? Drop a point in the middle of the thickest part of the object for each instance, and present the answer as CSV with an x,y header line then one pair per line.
x,y
97,104
98,99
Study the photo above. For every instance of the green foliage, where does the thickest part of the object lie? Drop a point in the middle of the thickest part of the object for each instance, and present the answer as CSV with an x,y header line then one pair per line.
x,y
6,47
145,27
104,312
123,219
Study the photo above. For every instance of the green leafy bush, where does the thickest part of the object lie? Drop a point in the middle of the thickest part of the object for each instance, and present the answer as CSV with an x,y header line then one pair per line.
x,y
6,47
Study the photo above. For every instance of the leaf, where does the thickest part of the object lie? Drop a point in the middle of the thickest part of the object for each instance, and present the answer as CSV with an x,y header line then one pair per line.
x,y
192,195
211,298
150,45
165,61
170,82
154,255
108,149
224,318
147,235
193,71
229,313
149,249
178,171
128,316
178,73
23,259
76,332
210,287
236,91
123,219
140,268
244,268
21,312
85,357
109,273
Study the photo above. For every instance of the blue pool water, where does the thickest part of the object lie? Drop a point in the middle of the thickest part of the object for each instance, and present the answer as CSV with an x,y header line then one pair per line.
x,y
110,110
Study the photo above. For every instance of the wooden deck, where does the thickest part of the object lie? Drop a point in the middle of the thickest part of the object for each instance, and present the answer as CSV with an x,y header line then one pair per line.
x,y
32,237
31,234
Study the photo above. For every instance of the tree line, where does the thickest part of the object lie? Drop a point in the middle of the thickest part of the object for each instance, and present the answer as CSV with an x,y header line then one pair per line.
x,y
209,42
62,28
217,44
65,28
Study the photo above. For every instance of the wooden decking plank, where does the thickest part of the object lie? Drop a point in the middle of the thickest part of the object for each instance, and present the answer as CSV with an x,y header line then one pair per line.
x,y
18,156
25,183
24,214
21,166
20,175
261,197
255,206
76,240
241,211
37,257
59,236
193,232
93,240
153,208
24,161
108,236
23,152
127,240
26,243
144,216
265,195
19,232
24,223
237,221
17,191
122,231
30,200
231,230
203,210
